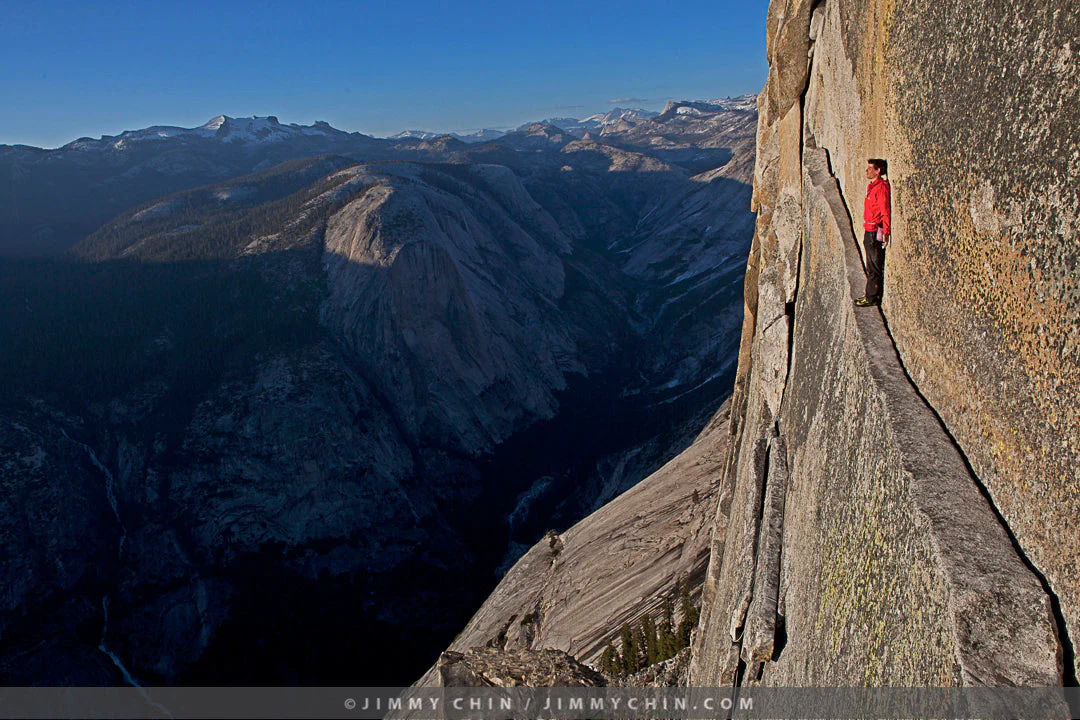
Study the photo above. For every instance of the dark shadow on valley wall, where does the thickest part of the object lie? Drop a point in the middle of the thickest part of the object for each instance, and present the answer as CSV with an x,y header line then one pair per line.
x,y
202,485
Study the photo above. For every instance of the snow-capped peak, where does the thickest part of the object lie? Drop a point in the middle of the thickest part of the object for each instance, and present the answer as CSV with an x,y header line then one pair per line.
x,y
256,129
415,135
742,102
247,131
616,115
599,121
214,124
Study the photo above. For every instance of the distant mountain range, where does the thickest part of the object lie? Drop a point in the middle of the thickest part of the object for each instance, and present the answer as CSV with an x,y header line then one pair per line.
x,y
575,127
272,389
478,136
249,131
599,121
262,130
51,199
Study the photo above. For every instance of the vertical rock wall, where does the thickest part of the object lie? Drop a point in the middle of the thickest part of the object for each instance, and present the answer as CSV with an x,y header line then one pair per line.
x,y
899,503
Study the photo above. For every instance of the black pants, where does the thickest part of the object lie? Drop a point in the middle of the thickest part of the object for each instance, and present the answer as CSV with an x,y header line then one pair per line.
x,y
875,264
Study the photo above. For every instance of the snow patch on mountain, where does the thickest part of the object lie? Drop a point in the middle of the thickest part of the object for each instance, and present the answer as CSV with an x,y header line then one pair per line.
x,y
260,130
414,135
472,137
617,115
248,131
599,121
707,108
236,193
742,102
214,124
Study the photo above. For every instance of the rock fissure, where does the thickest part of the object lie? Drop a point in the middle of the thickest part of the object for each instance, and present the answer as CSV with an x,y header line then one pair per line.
x,y
749,552
1069,675
973,545
757,613
1068,652
759,636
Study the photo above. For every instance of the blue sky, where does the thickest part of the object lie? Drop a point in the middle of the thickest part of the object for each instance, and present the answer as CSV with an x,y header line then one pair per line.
x,y
72,69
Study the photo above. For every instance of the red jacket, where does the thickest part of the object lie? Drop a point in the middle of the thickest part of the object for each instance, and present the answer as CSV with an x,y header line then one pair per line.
x,y
876,210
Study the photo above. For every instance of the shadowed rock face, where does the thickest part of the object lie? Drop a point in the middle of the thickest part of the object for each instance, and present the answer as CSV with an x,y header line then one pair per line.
x,y
314,408
60,536
916,464
452,306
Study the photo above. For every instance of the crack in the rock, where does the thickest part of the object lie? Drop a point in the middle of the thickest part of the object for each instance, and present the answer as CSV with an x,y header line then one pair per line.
x,y
1065,642
789,313
775,320
759,634
1067,650
737,624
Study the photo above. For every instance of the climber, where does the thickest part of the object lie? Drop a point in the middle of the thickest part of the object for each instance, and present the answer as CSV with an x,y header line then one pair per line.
x,y
876,223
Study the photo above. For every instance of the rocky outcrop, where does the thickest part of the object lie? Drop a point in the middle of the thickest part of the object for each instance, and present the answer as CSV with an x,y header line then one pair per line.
x,y
491,667
494,667
897,505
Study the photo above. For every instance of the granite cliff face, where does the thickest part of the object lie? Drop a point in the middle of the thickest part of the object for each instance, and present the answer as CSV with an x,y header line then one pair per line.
x,y
898,505
451,303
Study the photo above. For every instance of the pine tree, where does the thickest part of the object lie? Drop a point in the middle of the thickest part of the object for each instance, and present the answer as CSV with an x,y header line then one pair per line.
x,y
610,662
650,639
666,633
690,614
630,649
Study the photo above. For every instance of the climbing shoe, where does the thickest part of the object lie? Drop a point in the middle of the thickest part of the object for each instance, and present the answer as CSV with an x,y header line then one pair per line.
x,y
868,301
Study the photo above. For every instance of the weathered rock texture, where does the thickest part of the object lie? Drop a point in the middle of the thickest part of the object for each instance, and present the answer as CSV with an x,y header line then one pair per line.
x,y
573,591
494,667
491,667
898,506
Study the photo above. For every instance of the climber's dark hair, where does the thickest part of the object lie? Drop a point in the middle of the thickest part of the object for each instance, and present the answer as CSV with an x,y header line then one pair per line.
x,y
882,165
